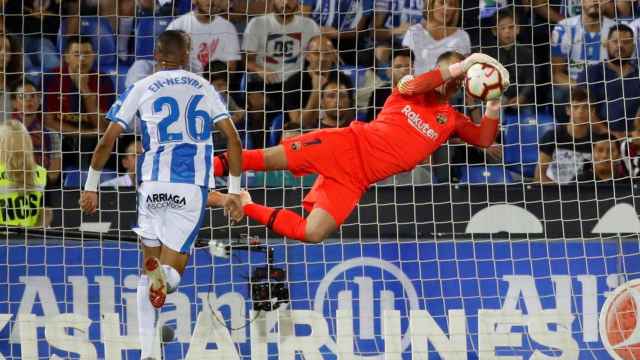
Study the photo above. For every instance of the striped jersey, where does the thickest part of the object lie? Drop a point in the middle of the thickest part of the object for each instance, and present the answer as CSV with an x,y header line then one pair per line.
x,y
571,42
177,111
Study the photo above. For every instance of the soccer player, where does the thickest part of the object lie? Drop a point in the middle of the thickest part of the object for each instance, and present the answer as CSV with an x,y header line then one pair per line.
x,y
177,111
414,122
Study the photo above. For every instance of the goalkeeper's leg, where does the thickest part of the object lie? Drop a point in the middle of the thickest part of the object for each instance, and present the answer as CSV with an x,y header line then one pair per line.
x,y
272,158
314,229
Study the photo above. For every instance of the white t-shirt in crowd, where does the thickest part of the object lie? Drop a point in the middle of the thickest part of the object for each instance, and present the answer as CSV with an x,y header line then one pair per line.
x,y
426,49
216,40
279,46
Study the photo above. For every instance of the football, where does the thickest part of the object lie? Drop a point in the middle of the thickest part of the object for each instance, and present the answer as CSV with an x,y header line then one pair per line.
x,y
483,82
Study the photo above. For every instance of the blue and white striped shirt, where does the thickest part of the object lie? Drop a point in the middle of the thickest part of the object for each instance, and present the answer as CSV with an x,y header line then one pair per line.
x,y
177,111
340,14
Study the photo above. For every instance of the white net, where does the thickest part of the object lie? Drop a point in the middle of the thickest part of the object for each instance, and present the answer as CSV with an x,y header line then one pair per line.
x,y
527,249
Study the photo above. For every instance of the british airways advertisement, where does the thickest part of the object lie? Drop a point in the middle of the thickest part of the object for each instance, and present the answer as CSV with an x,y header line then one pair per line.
x,y
396,299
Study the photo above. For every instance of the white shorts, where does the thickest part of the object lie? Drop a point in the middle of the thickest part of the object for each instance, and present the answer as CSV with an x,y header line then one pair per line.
x,y
171,213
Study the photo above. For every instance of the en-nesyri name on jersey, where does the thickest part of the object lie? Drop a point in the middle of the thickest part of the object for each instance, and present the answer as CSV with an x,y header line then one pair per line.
x,y
177,110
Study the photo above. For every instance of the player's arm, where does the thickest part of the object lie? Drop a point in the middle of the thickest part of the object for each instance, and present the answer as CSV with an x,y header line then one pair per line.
x,y
429,81
483,134
89,197
233,205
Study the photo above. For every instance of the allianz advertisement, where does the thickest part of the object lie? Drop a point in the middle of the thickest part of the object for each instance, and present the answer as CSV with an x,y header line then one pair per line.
x,y
518,299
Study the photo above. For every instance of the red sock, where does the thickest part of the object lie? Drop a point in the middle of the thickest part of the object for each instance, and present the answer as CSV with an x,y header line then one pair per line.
x,y
251,160
284,222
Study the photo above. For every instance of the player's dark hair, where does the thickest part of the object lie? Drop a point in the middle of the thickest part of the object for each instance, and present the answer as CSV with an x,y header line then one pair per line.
x,y
402,51
216,70
620,28
171,46
341,79
20,83
579,95
77,40
506,13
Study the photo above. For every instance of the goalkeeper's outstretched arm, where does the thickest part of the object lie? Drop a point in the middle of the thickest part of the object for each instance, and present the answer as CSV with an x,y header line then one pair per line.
x,y
484,134
429,81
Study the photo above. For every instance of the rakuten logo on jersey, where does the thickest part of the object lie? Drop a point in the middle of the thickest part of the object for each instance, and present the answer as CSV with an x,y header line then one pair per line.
x,y
415,120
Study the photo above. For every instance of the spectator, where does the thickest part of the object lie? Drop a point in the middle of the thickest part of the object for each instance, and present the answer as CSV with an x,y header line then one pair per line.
x,y
517,58
212,36
128,163
218,75
392,19
76,96
436,34
330,106
614,85
565,152
606,165
81,20
10,71
400,66
22,180
344,22
40,24
26,105
630,149
577,41
274,46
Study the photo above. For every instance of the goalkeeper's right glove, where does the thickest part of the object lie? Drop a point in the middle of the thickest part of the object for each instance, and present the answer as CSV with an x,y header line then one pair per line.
x,y
479,58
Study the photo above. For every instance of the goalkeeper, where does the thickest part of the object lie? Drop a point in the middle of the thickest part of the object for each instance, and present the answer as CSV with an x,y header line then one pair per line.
x,y
415,120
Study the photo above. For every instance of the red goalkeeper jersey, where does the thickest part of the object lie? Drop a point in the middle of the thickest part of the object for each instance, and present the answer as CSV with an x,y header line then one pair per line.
x,y
409,129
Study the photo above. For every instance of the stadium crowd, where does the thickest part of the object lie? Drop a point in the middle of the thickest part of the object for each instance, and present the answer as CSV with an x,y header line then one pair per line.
x,y
284,67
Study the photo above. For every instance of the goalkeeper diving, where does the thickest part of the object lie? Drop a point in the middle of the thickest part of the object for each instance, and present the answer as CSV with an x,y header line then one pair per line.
x,y
415,120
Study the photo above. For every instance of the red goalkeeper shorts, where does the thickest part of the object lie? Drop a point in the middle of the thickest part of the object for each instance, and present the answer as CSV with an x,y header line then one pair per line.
x,y
332,154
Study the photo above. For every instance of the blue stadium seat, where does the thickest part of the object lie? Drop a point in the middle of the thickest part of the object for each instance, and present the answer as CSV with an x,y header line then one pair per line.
x,y
102,36
118,76
147,29
74,178
485,174
275,130
521,138
358,75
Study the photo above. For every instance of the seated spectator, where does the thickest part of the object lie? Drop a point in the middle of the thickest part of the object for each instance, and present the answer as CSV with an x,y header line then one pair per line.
x,y
517,59
22,180
437,33
39,27
212,36
345,23
630,149
218,75
128,163
606,165
566,151
97,29
76,96
577,42
10,71
26,105
614,85
274,45
400,66
392,19
331,106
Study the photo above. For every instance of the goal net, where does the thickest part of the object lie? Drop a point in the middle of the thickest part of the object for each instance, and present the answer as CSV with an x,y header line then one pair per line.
x,y
525,250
